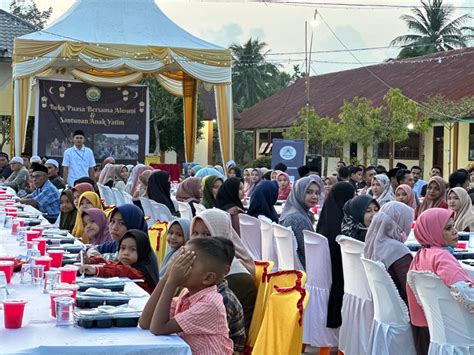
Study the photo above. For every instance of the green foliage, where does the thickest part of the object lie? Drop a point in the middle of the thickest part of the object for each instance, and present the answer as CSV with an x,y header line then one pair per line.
x,y
265,162
442,110
433,30
29,12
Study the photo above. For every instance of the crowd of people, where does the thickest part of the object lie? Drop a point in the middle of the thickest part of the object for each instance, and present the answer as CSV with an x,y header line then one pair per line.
x,y
204,288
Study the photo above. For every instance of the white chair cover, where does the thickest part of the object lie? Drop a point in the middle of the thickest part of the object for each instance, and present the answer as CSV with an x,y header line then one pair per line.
x,y
286,248
128,198
318,284
156,211
268,242
391,329
451,326
199,208
251,235
119,199
357,306
185,210
106,194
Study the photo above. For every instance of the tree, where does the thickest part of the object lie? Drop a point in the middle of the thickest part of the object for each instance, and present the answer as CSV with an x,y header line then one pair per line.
x,y
30,13
434,30
5,125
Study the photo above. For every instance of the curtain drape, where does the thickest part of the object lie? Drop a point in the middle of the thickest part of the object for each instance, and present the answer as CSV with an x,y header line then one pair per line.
x,y
190,95
225,121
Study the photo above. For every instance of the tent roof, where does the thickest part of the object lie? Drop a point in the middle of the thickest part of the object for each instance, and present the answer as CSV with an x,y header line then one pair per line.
x,y
133,22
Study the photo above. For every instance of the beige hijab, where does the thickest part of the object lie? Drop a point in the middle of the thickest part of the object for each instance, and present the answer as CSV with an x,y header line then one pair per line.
x,y
219,225
464,217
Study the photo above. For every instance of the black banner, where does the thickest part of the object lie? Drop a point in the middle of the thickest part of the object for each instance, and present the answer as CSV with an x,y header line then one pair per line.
x,y
114,120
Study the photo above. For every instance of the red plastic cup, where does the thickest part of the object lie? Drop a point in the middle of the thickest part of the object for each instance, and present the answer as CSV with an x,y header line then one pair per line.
x,y
41,245
15,226
7,267
38,229
2,192
54,294
30,235
68,274
10,209
12,214
462,245
21,222
68,287
43,260
7,258
57,257
14,309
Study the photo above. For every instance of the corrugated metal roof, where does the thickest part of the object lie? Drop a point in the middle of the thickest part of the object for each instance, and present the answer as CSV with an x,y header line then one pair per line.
x,y
450,74
11,27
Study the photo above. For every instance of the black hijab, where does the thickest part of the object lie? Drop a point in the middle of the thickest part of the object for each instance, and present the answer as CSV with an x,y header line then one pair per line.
x,y
329,225
354,211
145,264
228,194
263,200
68,220
159,190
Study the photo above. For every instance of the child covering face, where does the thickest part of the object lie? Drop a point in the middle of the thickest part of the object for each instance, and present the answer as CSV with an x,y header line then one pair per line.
x,y
178,235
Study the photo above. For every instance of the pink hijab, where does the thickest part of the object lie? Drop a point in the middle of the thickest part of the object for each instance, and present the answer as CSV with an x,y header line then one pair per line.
x,y
284,192
411,195
98,216
189,190
433,257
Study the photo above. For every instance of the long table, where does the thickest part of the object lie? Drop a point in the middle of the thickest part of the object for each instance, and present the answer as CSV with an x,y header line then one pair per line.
x,y
40,335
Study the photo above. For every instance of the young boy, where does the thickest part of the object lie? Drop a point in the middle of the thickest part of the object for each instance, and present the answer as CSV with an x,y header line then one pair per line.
x,y
198,314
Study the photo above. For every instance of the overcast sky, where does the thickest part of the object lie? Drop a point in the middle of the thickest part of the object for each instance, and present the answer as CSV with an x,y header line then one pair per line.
x,y
281,26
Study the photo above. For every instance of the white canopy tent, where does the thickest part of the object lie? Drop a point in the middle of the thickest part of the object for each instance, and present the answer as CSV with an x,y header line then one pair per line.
x,y
119,42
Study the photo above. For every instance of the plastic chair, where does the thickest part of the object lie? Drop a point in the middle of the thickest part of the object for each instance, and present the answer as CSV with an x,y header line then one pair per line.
x,y
318,285
107,195
286,248
156,211
282,325
357,306
391,329
451,326
199,208
119,199
251,235
147,210
268,241
185,210
127,197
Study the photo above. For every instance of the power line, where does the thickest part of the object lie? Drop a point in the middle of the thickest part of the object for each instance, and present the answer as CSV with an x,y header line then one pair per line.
x,y
357,5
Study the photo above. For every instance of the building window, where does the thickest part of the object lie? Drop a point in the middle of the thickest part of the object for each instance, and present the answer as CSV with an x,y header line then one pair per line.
x,y
471,141
408,149
383,150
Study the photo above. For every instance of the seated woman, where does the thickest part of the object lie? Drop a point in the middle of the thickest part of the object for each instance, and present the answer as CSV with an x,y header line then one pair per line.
x,y
116,176
212,184
435,196
263,201
229,199
67,218
79,189
385,242
436,233
178,235
216,223
133,179
133,261
96,226
256,176
358,214
190,191
460,202
159,190
142,187
296,214
284,185
405,194
381,189
87,200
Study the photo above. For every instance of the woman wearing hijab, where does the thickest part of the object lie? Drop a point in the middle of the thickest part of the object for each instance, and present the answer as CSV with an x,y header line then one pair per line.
x,y
435,195
202,173
211,187
329,225
229,199
358,214
256,176
404,194
113,177
381,189
190,191
329,182
436,233
178,235
216,223
88,180
263,201
67,218
284,185
460,202
296,214
133,179
247,181
79,189
385,242
87,200
159,190
96,226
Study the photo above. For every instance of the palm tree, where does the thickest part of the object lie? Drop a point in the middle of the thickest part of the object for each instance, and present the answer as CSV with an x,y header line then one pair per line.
x,y
254,79
434,30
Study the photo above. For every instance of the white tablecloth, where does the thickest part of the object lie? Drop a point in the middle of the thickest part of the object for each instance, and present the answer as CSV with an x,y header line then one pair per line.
x,y
40,335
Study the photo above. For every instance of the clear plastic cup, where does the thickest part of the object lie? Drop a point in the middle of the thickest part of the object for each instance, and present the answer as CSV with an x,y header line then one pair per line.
x,y
26,275
51,279
13,310
54,294
56,257
41,245
68,287
43,260
68,274
7,267
38,274
64,310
